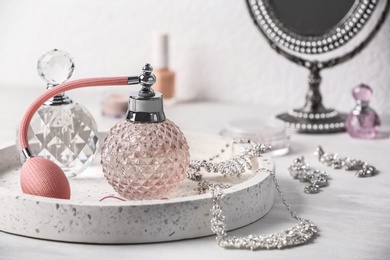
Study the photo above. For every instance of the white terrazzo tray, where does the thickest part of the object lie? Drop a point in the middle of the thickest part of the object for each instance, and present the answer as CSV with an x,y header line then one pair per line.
x,y
86,220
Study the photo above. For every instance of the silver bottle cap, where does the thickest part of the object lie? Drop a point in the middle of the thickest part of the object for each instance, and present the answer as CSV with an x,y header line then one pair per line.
x,y
146,106
56,67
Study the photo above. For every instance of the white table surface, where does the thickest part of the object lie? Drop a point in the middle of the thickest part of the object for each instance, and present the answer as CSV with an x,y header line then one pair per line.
x,y
353,214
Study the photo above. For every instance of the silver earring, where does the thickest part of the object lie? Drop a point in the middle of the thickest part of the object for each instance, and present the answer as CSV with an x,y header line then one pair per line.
x,y
316,178
334,160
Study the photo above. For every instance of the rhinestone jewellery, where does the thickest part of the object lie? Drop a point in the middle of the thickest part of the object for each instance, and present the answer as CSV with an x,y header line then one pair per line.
x,y
317,179
234,166
303,231
302,171
334,160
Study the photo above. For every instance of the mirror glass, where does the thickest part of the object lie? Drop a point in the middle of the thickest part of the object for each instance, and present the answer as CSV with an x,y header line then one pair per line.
x,y
311,17
311,26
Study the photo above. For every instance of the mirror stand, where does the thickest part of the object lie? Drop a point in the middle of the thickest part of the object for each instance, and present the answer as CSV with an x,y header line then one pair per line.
x,y
313,116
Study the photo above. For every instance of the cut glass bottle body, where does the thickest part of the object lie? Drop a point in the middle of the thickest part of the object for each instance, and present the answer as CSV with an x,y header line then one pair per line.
x,y
65,134
144,161
365,125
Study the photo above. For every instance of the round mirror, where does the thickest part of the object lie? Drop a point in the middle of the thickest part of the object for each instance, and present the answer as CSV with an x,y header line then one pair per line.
x,y
311,33
321,19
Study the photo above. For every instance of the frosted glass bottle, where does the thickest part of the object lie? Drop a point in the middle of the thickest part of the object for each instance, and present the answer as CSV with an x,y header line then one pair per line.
x,y
145,156
61,130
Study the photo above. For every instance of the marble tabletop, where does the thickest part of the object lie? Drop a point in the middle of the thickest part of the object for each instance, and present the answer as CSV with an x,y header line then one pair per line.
x,y
352,214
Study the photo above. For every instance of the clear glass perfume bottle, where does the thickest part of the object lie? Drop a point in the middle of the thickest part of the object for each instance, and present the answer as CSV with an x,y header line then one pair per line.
x,y
145,156
61,130
363,122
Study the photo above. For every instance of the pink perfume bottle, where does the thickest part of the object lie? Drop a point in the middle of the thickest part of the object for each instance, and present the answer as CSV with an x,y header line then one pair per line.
x,y
363,122
145,156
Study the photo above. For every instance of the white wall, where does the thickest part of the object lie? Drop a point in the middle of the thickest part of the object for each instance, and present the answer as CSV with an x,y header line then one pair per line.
x,y
216,50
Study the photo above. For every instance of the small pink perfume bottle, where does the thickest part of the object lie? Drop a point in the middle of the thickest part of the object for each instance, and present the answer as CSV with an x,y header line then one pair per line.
x,y
145,156
363,122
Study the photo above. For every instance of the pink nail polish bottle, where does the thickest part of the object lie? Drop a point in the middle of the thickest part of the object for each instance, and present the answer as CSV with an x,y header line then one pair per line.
x,y
165,83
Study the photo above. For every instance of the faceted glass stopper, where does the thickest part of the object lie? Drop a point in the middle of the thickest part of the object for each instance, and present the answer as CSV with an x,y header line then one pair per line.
x,y
362,92
55,67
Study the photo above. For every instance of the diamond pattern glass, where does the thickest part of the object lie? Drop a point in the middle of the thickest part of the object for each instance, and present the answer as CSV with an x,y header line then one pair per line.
x,y
66,135
144,161
55,66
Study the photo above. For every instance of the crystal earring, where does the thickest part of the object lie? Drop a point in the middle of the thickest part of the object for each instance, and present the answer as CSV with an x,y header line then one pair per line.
x,y
316,178
334,160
